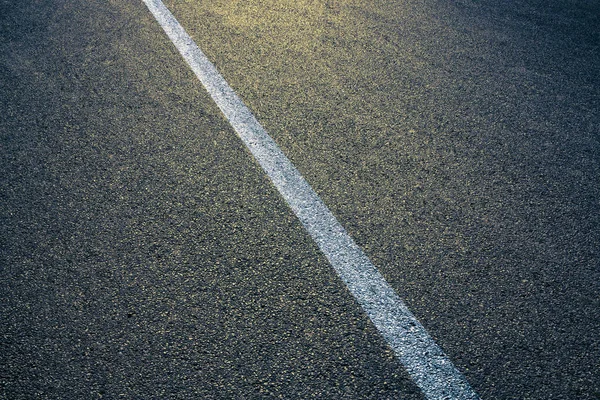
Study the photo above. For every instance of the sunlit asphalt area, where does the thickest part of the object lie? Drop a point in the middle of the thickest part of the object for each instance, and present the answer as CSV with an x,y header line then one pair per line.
x,y
145,254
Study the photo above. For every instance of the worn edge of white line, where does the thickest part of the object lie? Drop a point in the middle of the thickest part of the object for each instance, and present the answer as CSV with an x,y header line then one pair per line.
x,y
424,360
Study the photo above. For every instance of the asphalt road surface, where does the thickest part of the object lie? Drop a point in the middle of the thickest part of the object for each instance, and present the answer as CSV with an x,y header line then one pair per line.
x,y
145,254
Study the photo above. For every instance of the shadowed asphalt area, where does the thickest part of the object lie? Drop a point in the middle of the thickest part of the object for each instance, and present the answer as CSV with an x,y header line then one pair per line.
x,y
144,254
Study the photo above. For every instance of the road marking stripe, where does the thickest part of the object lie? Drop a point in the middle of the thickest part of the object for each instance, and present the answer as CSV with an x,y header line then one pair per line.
x,y
425,361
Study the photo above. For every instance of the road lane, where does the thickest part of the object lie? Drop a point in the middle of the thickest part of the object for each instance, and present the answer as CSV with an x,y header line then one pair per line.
x,y
456,141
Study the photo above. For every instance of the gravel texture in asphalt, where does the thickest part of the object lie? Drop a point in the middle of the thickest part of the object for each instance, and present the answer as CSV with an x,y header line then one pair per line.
x,y
144,254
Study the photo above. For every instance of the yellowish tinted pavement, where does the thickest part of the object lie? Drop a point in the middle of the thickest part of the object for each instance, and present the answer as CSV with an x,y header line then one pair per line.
x,y
145,254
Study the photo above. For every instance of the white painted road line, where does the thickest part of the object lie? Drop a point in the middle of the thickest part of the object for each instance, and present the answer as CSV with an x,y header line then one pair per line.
x,y
425,361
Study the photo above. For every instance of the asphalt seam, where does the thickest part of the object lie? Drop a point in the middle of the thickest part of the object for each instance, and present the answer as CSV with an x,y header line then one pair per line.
x,y
424,360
